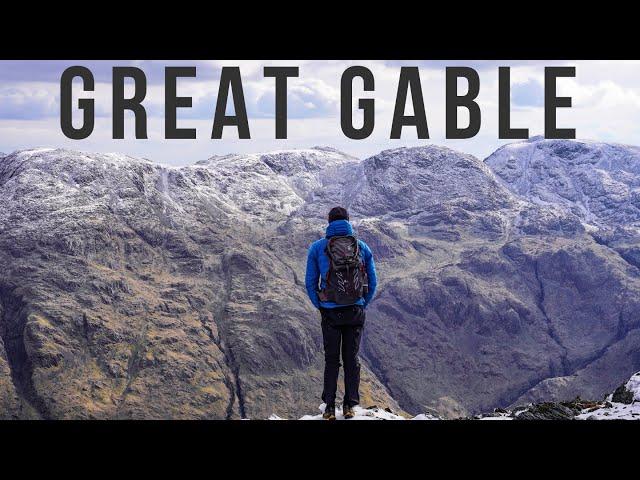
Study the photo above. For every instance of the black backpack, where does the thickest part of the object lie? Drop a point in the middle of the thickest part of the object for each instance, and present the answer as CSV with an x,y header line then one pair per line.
x,y
346,280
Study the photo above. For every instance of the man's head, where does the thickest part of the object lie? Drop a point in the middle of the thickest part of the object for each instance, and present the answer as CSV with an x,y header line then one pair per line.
x,y
338,213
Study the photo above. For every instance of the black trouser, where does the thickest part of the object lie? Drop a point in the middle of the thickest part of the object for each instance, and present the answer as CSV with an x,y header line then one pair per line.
x,y
342,325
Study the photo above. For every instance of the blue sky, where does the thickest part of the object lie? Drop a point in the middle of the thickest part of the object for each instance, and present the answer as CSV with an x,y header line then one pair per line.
x,y
606,106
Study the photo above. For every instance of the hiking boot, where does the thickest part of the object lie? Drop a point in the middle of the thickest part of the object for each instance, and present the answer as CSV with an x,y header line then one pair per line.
x,y
329,412
347,411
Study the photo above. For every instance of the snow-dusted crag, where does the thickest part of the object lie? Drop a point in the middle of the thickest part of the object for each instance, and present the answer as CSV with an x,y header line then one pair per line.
x,y
598,182
270,186
134,290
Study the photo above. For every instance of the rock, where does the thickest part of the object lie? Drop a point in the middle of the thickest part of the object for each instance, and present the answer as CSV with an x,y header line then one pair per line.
x,y
549,411
622,395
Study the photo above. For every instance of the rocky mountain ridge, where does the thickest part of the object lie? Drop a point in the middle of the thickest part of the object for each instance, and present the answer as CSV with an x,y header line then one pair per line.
x,y
598,182
133,290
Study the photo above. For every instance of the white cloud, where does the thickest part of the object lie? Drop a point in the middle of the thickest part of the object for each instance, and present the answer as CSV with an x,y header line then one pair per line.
x,y
606,106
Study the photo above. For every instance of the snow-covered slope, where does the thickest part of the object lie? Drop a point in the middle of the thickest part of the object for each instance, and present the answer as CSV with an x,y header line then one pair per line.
x,y
407,180
623,404
272,185
371,413
598,182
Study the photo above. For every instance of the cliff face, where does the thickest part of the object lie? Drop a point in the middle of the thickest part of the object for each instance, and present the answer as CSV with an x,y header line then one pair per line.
x,y
132,290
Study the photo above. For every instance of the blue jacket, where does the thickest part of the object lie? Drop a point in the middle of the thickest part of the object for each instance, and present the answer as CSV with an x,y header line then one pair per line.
x,y
318,265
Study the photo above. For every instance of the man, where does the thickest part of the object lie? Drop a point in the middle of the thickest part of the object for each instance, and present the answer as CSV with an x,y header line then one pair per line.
x,y
345,269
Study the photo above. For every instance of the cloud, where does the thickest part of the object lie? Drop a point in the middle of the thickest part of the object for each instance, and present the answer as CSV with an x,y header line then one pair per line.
x,y
27,103
478,65
47,70
528,94
311,98
51,70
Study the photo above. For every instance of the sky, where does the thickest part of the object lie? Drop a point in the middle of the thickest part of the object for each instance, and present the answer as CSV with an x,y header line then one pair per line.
x,y
605,96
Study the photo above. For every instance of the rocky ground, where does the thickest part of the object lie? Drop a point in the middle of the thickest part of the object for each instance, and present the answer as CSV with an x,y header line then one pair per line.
x,y
369,413
622,404
133,290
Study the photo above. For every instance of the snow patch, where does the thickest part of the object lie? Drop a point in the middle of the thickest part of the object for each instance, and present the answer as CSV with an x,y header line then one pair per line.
x,y
617,411
372,413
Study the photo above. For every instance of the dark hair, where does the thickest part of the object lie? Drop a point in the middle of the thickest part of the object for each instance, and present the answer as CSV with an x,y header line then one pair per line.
x,y
338,213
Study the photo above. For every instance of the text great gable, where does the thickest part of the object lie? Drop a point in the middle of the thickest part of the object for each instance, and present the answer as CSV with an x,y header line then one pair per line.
x,y
230,89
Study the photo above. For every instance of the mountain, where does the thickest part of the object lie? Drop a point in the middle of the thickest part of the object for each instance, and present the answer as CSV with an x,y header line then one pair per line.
x,y
135,290
485,295
597,182
131,290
